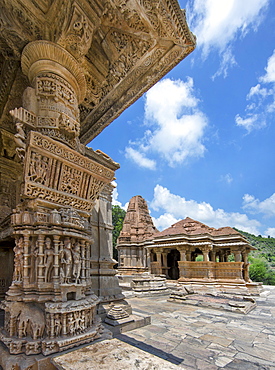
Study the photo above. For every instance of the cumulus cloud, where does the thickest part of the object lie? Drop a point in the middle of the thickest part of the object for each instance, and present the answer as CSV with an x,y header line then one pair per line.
x,y
217,24
175,124
164,221
115,201
270,231
254,205
261,98
140,159
176,207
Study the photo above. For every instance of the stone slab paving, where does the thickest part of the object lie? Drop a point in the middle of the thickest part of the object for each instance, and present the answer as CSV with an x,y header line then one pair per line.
x,y
192,337
111,354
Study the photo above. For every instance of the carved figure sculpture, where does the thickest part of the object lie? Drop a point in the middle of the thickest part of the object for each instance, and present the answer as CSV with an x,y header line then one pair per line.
x,y
18,260
48,259
57,325
76,263
66,260
38,168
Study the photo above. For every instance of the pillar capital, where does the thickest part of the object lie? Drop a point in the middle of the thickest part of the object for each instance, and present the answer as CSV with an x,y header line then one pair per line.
x,y
43,56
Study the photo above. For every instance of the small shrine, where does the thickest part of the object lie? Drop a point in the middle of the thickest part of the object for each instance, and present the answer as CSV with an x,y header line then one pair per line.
x,y
175,252
188,252
137,228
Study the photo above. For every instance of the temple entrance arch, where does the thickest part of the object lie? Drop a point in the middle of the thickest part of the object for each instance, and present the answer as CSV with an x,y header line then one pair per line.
x,y
172,262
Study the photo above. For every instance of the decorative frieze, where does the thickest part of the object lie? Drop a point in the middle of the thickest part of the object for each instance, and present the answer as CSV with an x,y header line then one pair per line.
x,y
57,174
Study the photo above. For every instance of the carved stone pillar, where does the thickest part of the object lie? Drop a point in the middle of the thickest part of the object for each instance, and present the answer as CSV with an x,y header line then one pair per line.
x,y
205,252
40,256
158,253
26,260
56,242
61,183
182,254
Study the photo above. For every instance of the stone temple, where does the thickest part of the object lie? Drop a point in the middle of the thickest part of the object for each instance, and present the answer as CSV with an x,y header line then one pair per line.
x,y
190,252
68,69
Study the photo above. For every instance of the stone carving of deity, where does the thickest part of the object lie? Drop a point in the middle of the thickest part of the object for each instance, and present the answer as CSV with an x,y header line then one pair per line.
x,y
18,260
76,263
67,260
49,256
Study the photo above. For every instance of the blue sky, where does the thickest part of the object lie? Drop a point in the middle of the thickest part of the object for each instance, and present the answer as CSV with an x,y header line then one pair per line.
x,y
200,143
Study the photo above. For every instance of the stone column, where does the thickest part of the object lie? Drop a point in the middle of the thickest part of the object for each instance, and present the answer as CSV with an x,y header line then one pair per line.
x,y
246,266
213,256
205,255
237,256
165,267
158,253
83,261
159,258
56,243
26,260
182,251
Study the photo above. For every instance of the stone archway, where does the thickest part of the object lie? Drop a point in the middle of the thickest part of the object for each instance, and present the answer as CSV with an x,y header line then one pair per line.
x,y
172,262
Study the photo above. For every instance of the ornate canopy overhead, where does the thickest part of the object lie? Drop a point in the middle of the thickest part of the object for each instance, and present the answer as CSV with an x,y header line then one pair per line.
x,y
122,48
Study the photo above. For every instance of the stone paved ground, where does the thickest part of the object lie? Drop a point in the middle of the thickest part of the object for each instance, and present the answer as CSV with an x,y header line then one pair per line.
x,y
203,338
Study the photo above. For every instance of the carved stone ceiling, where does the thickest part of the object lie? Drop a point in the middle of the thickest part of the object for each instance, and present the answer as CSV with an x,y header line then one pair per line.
x,y
123,47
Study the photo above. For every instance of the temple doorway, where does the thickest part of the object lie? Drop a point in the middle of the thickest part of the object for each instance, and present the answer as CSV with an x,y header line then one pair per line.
x,y
172,262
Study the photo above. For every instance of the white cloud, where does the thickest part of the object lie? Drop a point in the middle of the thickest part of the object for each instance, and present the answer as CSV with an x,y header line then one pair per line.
x,y
115,201
252,122
217,24
164,221
262,96
254,205
227,61
176,125
176,207
140,159
226,178
270,231
270,70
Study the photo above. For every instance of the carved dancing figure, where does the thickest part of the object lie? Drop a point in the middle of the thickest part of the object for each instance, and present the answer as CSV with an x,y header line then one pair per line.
x,y
57,325
77,263
49,256
66,260
38,168
18,260
71,324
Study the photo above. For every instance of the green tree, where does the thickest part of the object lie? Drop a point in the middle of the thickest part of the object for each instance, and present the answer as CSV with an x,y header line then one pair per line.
x,y
257,269
118,215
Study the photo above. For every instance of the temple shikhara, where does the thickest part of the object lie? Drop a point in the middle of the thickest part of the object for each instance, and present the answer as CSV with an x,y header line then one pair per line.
x,y
190,252
68,69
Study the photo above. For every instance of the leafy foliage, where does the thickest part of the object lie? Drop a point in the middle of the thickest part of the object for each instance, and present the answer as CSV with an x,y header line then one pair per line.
x,y
118,215
262,261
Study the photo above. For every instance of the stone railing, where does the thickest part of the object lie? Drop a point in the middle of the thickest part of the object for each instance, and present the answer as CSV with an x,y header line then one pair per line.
x,y
211,270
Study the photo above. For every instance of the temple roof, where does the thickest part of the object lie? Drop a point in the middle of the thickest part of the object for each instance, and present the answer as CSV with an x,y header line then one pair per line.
x,y
138,225
188,226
